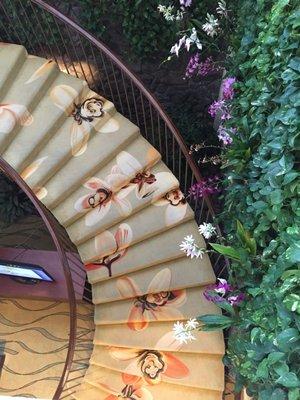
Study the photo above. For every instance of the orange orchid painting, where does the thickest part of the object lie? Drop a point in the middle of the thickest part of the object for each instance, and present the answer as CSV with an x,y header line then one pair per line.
x,y
111,248
176,206
85,111
149,365
124,176
160,303
101,198
12,115
39,191
134,390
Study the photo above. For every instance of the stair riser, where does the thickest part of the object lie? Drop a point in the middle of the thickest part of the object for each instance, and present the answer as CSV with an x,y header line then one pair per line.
x,y
10,64
30,98
138,256
133,203
159,337
66,212
101,148
197,273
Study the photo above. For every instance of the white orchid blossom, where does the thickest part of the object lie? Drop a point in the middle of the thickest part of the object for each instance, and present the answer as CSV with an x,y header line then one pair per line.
x,y
207,230
211,25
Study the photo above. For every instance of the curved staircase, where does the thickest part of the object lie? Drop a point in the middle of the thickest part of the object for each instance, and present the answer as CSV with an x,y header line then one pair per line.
x,y
124,211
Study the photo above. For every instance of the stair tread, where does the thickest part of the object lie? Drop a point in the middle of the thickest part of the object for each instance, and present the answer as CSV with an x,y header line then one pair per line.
x,y
138,156
56,159
176,274
111,385
16,112
12,57
187,369
30,140
159,337
101,148
167,305
142,244
127,201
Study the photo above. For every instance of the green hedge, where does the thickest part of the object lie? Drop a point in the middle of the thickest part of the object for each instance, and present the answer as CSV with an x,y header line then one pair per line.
x,y
145,30
262,191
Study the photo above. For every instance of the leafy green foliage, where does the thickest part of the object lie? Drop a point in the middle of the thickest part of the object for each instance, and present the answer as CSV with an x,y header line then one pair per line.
x,y
14,203
263,187
144,28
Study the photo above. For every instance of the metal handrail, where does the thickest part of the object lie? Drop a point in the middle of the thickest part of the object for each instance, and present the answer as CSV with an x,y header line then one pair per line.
x,y
52,228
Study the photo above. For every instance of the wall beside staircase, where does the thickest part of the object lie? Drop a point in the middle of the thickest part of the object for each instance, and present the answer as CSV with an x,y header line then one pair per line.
x,y
34,338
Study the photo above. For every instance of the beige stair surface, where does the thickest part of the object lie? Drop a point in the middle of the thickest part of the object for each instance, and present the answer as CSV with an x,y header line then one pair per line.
x,y
140,257
185,369
35,137
161,277
127,201
117,173
178,304
124,210
159,337
106,384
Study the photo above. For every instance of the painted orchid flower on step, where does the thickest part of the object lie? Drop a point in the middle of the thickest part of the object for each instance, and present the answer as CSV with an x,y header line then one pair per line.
x,y
102,197
131,391
111,248
42,70
141,179
85,112
39,191
12,115
160,303
176,206
150,365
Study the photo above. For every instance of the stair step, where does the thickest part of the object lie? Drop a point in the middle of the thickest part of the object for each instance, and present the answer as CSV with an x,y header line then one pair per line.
x,y
196,370
16,114
58,151
137,157
101,148
196,272
106,384
127,201
159,337
149,245
166,305
31,140
12,57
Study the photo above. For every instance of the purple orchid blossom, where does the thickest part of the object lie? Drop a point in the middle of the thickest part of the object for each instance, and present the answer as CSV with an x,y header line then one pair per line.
x,y
219,292
224,136
192,66
235,300
228,91
185,3
205,187
215,107
207,67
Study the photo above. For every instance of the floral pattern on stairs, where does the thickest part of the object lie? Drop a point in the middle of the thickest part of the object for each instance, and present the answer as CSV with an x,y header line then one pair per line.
x,y
124,210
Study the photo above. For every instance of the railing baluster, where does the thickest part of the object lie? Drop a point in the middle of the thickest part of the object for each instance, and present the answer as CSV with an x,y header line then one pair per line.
x,y
117,87
9,25
144,115
134,102
126,95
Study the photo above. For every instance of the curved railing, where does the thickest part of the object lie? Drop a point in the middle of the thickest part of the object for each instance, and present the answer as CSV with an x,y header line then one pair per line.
x,y
46,32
